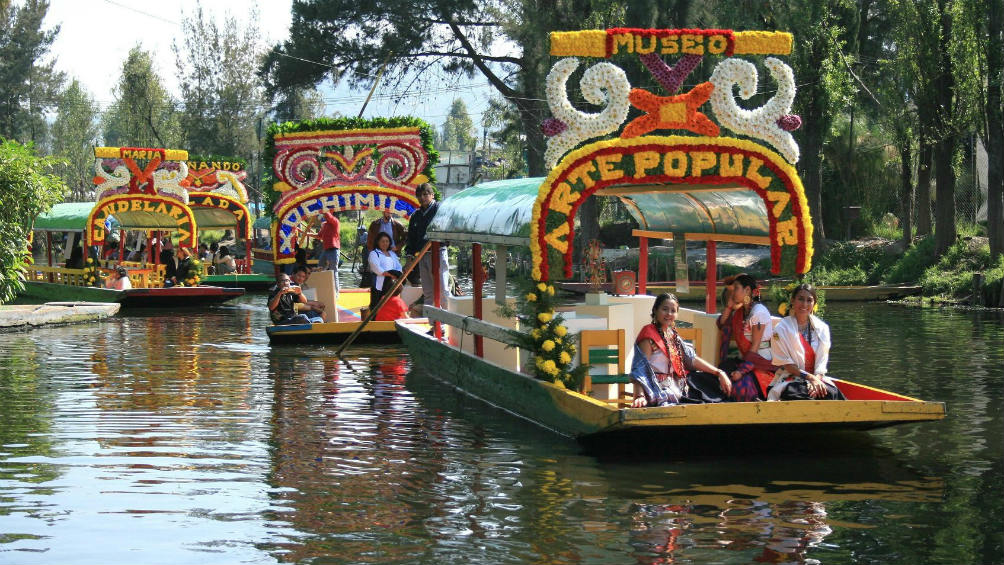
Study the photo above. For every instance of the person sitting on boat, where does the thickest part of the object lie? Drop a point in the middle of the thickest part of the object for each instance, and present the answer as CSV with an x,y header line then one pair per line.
x,y
316,307
747,321
393,309
184,264
205,255
282,302
170,263
801,348
385,266
224,262
118,279
665,366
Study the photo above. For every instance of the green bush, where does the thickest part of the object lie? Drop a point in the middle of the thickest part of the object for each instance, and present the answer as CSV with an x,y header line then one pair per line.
x,y
911,266
28,187
953,274
993,283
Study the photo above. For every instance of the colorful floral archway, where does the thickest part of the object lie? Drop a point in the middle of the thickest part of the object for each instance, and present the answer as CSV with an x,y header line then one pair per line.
x,y
142,188
672,160
344,164
163,213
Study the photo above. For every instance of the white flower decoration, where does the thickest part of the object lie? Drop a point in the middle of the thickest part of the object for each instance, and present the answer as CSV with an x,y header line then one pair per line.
x,y
760,123
603,83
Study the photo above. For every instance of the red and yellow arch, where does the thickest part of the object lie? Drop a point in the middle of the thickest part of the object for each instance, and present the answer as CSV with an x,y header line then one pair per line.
x,y
229,204
334,199
143,211
672,160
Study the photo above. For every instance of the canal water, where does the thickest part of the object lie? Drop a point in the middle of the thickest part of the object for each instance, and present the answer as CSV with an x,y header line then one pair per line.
x,y
182,437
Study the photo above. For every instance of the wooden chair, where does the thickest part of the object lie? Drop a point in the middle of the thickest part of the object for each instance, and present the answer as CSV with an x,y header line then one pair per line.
x,y
595,349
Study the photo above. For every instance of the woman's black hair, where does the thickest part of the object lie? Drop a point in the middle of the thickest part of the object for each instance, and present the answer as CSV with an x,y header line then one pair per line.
x,y
749,282
224,251
662,298
376,242
121,272
807,288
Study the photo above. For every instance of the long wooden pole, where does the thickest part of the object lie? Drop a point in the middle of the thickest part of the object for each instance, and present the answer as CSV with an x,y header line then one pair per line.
x,y
376,81
386,296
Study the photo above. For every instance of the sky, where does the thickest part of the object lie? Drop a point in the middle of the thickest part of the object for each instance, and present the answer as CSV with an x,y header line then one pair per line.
x,y
96,35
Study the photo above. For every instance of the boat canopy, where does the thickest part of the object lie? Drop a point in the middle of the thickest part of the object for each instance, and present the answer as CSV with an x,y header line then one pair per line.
x,y
68,216
492,212
713,212
501,212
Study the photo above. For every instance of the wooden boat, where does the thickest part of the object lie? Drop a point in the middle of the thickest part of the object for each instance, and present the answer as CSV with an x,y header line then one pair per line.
x,y
248,281
706,188
350,302
147,198
334,152
580,416
178,296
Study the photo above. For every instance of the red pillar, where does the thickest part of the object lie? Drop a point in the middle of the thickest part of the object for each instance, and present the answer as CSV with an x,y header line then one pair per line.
x,y
247,255
642,264
479,280
122,237
711,284
437,283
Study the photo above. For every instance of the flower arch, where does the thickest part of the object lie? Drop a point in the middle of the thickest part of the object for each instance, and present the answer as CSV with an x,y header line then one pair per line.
x,y
672,160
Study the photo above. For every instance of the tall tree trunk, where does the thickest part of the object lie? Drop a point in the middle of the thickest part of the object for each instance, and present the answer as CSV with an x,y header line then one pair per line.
x,y
812,164
944,150
906,191
995,129
944,209
924,188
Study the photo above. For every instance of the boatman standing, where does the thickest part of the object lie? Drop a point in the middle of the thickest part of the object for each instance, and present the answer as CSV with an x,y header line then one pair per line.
x,y
389,225
419,223
331,239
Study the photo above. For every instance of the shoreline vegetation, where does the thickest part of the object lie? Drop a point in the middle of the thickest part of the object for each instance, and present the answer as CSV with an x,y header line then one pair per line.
x,y
964,275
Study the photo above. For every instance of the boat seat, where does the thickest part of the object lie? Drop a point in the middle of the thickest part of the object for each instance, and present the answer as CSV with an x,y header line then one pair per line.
x,y
603,347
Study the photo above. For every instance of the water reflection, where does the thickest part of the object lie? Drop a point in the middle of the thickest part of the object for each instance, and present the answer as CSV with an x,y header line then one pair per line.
x,y
206,445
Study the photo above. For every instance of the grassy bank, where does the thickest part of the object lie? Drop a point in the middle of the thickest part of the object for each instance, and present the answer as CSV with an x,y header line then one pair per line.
x,y
947,277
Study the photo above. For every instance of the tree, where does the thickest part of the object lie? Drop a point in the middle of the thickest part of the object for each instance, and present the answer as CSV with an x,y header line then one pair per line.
x,y
28,86
824,85
992,119
74,132
28,187
295,104
458,129
143,114
221,96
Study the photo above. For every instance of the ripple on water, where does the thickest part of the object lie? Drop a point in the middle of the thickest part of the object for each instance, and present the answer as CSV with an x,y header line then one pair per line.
x,y
206,445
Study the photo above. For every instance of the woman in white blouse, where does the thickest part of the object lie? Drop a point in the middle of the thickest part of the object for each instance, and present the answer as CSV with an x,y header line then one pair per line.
x,y
385,266
801,350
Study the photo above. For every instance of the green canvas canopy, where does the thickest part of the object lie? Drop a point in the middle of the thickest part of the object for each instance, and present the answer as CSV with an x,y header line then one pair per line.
x,y
67,216
493,212
501,211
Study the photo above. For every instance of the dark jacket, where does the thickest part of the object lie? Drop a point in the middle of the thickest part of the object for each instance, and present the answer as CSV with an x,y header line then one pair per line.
x,y
419,223
397,227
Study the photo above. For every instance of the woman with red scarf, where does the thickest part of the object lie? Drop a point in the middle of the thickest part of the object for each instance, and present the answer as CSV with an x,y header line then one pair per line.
x,y
749,323
672,360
